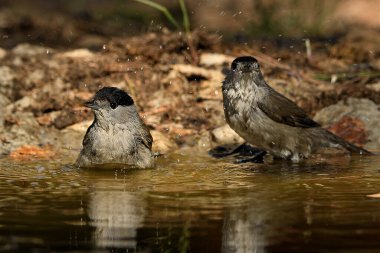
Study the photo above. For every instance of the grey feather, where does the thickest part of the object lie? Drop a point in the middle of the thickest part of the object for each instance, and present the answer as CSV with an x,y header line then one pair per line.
x,y
282,110
269,120
118,135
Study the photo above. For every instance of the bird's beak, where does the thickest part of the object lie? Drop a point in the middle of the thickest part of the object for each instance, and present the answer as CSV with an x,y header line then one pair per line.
x,y
246,69
91,104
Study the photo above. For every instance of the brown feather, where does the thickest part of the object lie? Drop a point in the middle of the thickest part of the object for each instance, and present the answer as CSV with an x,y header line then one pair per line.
x,y
284,111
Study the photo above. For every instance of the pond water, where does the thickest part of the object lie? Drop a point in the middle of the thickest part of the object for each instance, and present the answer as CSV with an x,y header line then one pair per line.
x,y
191,204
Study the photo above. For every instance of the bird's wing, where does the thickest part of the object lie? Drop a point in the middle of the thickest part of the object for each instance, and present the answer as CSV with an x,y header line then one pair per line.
x,y
86,138
284,111
145,137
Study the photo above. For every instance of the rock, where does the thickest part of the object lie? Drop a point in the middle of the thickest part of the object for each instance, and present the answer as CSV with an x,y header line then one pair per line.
x,y
69,117
204,142
212,59
77,53
28,152
4,101
26,49
352,115
20,104
23,128
161,143
3,53
7,76
351,129
80,127
221,136
374,86
191,71
47,119
225,135
91,41
70,139
34,77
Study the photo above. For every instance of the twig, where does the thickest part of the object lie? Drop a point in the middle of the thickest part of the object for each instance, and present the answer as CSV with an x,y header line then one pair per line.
x,y
308,49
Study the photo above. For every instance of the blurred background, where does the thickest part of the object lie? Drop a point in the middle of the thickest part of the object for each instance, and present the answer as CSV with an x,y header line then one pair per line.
x,y
91,23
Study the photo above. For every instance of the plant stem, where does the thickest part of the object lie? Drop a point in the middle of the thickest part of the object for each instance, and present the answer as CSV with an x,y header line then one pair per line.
x,y
185,15
161,8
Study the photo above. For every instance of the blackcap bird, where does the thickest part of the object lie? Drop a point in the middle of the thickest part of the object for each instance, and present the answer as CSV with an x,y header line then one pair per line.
x,y
270,121
117,135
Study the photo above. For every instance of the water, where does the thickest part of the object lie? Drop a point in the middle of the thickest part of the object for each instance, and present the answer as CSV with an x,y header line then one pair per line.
x,y
191,204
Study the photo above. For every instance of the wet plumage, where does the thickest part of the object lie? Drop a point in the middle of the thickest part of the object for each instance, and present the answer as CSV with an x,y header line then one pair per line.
x,y
270,121
117,135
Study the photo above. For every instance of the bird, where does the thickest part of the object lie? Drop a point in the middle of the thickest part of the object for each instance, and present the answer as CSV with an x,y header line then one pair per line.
x,y
117,135
271,121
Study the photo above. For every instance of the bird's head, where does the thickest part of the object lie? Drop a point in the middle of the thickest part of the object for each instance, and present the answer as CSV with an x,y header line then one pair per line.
x,y
245,64
112,104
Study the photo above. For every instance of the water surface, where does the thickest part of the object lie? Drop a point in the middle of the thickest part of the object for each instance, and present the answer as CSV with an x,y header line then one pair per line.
x,y
191,204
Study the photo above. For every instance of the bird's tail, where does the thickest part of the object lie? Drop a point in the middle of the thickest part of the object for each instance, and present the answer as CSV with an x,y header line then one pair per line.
x,y
335,140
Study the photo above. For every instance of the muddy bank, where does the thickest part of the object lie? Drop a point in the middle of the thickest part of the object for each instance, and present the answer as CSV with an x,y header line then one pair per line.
x,y
176,83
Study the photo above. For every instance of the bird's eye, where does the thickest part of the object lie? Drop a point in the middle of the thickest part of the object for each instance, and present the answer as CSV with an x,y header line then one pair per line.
x,y
113,105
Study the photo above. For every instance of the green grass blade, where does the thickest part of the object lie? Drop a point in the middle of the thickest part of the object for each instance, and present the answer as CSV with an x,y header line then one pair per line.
x,y
161,8
185,15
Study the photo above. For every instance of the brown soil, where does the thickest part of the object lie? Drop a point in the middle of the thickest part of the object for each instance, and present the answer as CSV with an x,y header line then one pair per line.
x,y
175,83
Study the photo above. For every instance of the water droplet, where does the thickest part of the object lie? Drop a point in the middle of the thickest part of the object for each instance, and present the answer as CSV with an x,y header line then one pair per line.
x,y
104,47
40,169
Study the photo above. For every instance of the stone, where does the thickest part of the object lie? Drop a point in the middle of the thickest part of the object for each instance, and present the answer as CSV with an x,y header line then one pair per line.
x,y
4,101
225,135
363,109
77,54
20,130
26,49
3,53
28,152
7,77
161,143
212,59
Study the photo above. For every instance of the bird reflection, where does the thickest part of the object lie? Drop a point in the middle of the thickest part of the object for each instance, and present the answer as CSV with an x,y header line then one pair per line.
x,y
116,216
242,231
